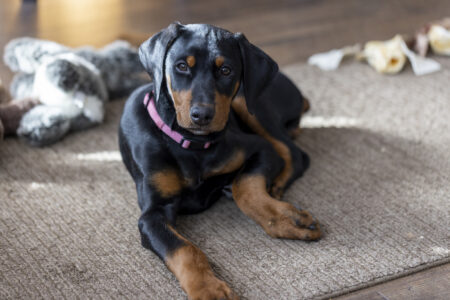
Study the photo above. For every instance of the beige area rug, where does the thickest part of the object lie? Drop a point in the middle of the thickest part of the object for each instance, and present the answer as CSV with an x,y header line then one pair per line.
x,y
378,182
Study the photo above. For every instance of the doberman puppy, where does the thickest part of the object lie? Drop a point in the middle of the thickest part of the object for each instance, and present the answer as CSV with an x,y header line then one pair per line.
x,y
218,117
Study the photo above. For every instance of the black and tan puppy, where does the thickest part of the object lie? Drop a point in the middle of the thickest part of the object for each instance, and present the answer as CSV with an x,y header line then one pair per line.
x,y
218,114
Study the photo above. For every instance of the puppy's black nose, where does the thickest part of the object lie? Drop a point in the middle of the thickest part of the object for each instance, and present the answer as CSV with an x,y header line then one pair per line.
x,y
201,115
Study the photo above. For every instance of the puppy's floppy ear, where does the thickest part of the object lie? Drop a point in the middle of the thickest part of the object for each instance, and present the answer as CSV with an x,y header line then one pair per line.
x,y
258,70
152,53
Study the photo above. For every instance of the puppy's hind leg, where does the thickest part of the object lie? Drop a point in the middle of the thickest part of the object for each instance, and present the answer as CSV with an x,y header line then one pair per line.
x,y
279,219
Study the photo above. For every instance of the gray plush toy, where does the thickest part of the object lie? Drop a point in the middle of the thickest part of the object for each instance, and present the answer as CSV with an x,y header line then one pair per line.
x,y
72,85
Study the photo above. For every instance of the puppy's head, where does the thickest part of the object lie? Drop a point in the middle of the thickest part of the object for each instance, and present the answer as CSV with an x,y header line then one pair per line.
x,y
201,68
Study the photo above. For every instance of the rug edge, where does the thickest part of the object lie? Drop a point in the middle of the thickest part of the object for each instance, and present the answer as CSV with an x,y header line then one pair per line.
x,y
381,280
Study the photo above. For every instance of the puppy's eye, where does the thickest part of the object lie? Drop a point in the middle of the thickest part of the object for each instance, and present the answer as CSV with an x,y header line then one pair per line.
x,y
182,67
225,71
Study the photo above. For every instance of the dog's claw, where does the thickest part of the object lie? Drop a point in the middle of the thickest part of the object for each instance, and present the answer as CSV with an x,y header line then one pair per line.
x,y
313,226
292,223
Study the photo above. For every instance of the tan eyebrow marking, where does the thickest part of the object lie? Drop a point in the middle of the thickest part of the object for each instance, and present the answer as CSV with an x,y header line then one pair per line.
x,y
219,61
190,61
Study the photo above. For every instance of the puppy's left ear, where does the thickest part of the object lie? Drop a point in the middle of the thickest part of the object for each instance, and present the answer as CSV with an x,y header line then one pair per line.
x,y
152,53
258,70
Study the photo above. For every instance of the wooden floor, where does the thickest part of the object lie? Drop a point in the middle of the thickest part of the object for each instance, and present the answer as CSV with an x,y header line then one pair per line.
x,y
289,30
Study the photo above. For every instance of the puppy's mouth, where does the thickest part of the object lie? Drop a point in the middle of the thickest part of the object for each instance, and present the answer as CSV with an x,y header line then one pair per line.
x,y
199,130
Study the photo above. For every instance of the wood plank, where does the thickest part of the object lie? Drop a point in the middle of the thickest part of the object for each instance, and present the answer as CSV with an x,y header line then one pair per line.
x,y
429,284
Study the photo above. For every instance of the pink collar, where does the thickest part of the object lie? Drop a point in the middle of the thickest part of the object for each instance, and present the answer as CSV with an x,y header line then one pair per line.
x,y
174,135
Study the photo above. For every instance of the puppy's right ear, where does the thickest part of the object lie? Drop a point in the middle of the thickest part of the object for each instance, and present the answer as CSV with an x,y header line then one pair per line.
x,y
152,53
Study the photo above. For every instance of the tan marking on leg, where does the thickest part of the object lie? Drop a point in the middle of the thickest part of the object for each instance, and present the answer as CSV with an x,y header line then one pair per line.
x,y
182,103
240,107
219,61
190,266
279,219
190,61
235,161
281,180
168,182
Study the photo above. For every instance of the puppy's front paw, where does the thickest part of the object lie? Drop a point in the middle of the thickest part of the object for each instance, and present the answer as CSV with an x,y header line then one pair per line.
x,y
210,288
290,223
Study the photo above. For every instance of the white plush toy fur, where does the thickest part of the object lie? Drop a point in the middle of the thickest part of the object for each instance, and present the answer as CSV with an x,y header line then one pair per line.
x,y
71,84
72,100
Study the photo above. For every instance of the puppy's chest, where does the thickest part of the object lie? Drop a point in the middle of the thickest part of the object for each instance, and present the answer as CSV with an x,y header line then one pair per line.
x,y
195,171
